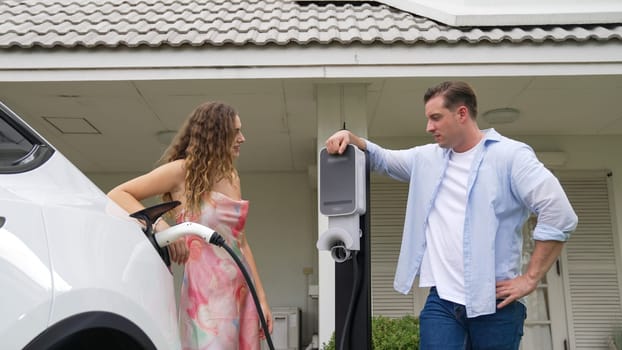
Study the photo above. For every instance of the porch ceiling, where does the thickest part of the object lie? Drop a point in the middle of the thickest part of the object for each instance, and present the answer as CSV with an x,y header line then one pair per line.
x,y
279,115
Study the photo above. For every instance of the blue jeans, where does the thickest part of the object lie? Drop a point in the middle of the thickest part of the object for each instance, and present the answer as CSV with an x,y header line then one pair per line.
x,y
444,326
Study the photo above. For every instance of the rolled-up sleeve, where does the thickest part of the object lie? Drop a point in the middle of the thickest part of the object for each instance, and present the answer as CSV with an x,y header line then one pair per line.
x,y
541,191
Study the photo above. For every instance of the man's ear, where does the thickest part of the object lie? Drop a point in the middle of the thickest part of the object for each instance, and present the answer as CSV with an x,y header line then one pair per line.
x,y
463,112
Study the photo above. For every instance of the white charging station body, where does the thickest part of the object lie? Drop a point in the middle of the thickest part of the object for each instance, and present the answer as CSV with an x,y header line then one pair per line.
x,y
342,199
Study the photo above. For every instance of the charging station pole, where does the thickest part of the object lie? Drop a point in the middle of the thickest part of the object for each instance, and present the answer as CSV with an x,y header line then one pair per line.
x,y
344,198
359,333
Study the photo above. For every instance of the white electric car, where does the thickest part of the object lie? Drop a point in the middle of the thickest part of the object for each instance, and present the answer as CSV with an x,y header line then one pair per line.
x,y
75,271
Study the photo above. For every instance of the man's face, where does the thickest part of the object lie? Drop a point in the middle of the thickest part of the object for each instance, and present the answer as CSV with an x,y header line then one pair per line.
x,y
443,124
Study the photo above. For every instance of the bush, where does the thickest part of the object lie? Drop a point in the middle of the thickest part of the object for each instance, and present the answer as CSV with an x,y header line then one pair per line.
x,y
389,334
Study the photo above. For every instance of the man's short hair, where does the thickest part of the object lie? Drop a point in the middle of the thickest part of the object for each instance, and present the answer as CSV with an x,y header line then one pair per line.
x,y
455,94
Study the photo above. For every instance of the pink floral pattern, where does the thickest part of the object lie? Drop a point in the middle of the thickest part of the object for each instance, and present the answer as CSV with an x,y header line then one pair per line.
x,y
216,309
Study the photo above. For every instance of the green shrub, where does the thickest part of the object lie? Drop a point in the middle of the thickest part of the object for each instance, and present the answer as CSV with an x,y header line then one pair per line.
x,y
389,334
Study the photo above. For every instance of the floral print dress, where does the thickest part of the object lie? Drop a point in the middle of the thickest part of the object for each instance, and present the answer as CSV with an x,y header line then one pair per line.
x,y
216,309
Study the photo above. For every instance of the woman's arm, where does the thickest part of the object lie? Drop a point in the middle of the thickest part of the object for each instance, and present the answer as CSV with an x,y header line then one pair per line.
x,y
167,178
164,179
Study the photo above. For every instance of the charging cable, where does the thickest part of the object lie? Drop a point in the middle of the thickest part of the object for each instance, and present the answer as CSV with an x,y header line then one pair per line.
x,y
346,331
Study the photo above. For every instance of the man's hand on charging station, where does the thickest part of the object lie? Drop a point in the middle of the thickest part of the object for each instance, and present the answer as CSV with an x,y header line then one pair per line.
x,y
338,142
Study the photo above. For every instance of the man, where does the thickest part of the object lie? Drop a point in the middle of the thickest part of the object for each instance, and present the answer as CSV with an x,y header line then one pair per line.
x,y
469,196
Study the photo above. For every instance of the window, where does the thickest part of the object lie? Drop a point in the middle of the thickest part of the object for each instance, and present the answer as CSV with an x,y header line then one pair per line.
x,y
20,149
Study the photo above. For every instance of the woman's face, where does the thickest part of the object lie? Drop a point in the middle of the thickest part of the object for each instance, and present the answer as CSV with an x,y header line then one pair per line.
x,y
239,137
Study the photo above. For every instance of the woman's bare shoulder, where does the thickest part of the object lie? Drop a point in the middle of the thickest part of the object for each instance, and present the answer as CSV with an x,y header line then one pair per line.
x,y
176,166
169,175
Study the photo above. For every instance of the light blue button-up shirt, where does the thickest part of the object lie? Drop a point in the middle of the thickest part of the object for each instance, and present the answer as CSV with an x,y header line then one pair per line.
x,y
505,184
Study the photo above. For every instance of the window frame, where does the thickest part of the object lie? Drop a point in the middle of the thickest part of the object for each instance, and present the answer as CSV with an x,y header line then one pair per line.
x,y
40,151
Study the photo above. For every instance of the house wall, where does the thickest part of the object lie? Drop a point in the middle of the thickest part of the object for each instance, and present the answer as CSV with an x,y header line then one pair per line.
x,y
281,230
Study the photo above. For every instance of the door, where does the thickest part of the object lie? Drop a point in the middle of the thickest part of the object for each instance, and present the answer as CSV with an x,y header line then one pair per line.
x,y
545,327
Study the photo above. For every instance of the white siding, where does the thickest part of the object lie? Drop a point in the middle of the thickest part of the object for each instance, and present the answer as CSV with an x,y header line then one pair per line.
x,y
388,204
592,284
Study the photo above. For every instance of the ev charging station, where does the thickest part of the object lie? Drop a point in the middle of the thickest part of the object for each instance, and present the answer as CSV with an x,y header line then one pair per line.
x,y
343,194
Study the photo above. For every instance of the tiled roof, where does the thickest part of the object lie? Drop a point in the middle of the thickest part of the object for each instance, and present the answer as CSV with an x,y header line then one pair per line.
x,y
156,23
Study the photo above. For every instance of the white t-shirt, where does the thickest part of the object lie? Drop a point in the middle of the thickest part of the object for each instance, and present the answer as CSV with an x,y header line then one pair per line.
x,y
443,260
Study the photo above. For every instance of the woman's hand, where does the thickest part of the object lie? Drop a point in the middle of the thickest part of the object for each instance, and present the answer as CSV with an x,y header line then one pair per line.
x,y
268,316
179,251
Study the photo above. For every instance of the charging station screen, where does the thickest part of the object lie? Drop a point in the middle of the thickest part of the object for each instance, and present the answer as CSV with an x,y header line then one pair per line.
x,y
337,182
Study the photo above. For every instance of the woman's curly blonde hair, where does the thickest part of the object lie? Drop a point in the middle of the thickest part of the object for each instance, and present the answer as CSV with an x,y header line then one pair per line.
x,y
204,141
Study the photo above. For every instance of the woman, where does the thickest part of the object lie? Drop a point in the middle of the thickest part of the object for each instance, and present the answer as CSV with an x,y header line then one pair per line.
x,y
216,308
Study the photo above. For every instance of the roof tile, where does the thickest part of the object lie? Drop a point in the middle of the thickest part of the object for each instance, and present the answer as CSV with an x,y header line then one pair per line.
x,y
154,23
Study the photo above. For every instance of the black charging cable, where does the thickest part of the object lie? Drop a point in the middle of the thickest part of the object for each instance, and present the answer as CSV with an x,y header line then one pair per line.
x,y
219,241
346,331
